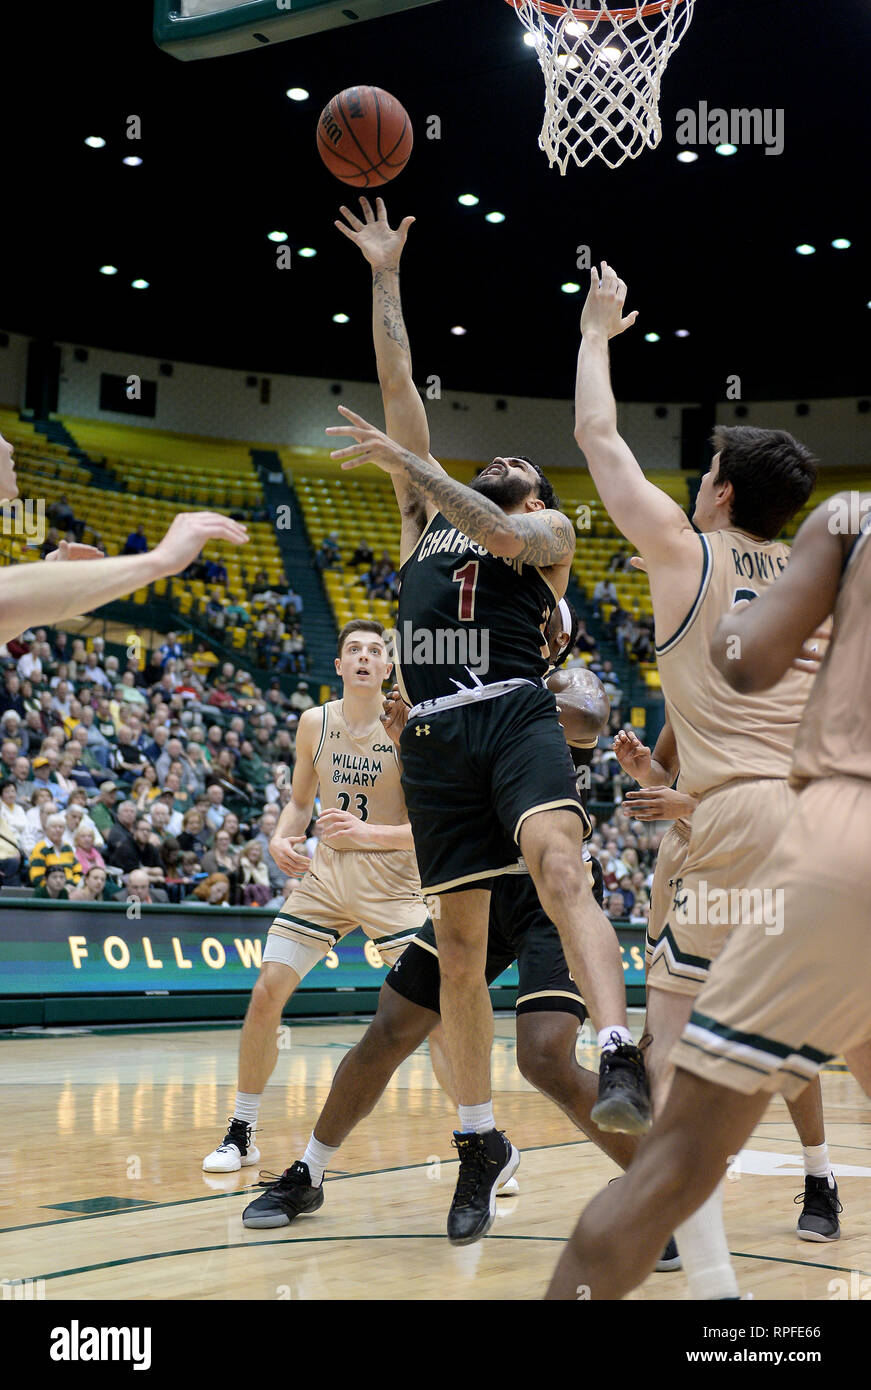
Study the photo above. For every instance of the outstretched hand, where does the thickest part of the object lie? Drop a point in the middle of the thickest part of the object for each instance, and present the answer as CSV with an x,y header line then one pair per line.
x,y
373,445
380,244
603,310
189,533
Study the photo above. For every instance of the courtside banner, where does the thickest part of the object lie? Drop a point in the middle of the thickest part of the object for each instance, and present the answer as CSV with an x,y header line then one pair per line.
x,y
102,948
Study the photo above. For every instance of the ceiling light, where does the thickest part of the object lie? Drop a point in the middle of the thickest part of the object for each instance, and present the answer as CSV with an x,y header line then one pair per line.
x,y
494,217
612,53
139,284
341,318
132,161
458,331
841,243
307,252
570,287
576,28
529,40
569,61
276,236
726,149
108,270
687,157
805,249
297,93
95,142
651,337
681,332
468,200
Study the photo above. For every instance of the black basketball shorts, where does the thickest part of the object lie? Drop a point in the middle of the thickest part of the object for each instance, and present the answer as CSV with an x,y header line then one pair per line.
x,y
518,931
472,774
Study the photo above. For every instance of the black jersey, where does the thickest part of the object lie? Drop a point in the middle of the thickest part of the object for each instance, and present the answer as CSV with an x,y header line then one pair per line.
x,y
583,761
468,617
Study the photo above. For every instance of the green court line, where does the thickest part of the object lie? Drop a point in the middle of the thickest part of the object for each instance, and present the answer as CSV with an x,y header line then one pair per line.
x,y
326,1240
244,1191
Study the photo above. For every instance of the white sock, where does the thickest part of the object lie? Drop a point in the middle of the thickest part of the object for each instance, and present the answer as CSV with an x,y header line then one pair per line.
x,y
606,1043
247,1107
477,1119
816,1162
317,1156
701,1241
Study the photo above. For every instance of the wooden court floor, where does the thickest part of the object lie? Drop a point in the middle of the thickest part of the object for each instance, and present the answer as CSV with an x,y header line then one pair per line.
x,y
102,1193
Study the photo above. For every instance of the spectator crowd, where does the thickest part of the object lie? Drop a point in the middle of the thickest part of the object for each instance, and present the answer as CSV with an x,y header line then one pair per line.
x,y
163,784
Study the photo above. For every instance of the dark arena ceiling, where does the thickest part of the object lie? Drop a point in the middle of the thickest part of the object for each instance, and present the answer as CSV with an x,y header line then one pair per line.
x,y
707,247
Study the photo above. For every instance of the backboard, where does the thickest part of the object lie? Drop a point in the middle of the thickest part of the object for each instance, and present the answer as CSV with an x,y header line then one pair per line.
x,y
208,28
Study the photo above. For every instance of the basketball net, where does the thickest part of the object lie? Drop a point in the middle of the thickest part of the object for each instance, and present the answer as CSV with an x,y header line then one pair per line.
x,y
602,72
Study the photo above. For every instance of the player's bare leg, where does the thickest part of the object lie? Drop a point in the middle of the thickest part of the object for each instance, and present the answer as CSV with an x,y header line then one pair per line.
x,y
397,1030
487,1158
668,1013
546,1059
550,842
461,933
258,1046
618,1238
858,1059
440,1063
258,1053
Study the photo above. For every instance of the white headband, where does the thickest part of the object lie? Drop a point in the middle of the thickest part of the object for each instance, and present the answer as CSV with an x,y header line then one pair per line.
x,y
565,617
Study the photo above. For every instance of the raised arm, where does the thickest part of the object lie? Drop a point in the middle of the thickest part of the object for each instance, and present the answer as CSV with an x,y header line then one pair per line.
x,y
753,647
646,515
541,537
47,593
404,413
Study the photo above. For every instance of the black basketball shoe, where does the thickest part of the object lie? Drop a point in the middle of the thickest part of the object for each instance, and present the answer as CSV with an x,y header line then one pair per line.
x,y
820,1211
293,1195
623,1106
485,1160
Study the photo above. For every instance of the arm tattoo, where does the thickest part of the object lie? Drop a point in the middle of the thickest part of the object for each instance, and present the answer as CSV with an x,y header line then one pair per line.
x,y
391,307
548,537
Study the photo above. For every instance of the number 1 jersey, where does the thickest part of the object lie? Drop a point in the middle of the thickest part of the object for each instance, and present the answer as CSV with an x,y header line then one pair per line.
x,y
467,617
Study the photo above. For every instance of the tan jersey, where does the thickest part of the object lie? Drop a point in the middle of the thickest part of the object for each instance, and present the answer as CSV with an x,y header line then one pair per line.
x,y
358,774
835,735
720,734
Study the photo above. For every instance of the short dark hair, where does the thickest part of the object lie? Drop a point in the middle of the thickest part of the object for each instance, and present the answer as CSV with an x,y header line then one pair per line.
x,y
363,625
771,473
7,782
545,487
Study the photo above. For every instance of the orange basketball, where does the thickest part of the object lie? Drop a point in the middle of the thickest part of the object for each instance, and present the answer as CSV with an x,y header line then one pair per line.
x,y
364,136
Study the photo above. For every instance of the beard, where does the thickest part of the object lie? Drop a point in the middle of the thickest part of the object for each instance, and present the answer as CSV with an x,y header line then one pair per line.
x,y
506,489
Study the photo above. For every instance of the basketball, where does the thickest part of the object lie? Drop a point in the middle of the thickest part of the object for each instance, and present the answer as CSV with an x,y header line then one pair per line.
x,y
580,696
365,136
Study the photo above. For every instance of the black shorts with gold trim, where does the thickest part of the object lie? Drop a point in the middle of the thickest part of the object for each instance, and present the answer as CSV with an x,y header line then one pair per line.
x,y
519,931
472,774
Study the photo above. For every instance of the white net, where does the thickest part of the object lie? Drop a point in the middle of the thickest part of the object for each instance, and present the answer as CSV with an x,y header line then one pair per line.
x,y
602,71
